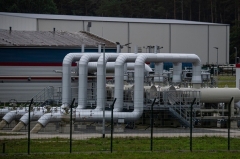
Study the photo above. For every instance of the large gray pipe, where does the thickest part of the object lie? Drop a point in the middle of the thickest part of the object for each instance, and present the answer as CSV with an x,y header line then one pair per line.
x,y
90,115
177,72
101,84
110,67
158,72
10,116
175,58
83,75
119,78
66,77
5,110
34,115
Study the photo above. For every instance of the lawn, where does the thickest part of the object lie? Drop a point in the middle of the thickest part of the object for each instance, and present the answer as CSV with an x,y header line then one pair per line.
x,y
226,81
129,147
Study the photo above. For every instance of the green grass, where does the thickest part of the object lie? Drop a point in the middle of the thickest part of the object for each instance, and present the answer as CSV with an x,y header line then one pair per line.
x,y
229,81
130,155
129,147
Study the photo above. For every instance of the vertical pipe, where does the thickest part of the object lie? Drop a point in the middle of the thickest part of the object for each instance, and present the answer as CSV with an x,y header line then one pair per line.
x,y
152,124
129,50
71,125
83,48
99,48
112,123
118,48
155,49
104,84
136,49
229,122
191,127
29,109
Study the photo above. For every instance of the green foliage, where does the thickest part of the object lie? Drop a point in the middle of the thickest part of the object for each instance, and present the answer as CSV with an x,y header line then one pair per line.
x,y
28,6
128,144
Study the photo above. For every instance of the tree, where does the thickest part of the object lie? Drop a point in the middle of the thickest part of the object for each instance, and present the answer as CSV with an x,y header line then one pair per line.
x,y
28,6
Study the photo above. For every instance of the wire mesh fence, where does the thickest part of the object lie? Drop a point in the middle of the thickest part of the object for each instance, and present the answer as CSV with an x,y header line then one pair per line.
x,y
156,130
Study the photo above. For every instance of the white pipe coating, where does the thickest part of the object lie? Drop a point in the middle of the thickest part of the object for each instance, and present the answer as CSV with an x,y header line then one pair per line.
x,y
34,115
66,77
110,67
4,111
101,79
119,78
83,73
158,72
175,58
90,115
177,72
15,114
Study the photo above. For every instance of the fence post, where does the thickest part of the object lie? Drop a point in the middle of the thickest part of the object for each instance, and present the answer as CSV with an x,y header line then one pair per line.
x,y
71,125
152,123
229,122
112,123
191,127
29,120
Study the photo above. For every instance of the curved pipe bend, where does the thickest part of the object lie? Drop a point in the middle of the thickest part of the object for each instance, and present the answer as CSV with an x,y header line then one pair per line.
x,y
10,116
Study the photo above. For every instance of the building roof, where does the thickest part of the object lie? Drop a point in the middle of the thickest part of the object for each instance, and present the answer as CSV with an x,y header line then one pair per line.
x,y
11,38
106,19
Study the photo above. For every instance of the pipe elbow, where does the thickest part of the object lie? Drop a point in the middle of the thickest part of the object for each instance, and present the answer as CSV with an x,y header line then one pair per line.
x,y
50,117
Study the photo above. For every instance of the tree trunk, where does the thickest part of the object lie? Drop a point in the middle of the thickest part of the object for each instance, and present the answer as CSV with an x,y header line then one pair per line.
x,y
212,10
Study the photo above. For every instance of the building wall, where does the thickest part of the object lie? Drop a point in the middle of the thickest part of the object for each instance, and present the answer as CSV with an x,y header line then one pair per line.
x,y
60,25
24,72
113,31
190,39
143,35
219,37
18,23
25,91
178,38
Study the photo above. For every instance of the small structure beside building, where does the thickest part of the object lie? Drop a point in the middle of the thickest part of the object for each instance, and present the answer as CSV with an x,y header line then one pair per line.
x,y
32,60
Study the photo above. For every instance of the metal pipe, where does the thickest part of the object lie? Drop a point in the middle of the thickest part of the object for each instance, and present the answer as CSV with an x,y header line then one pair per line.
x,y
90,115
83,73
66,77
139,75
110,67
34,116
10,116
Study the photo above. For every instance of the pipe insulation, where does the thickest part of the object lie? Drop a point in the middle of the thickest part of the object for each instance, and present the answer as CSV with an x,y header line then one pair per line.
x,y
175,58
219,95
66,77
119,78
110,67
140,59
10,116
83,73
34,116
5,110
101,79
177,72
158,72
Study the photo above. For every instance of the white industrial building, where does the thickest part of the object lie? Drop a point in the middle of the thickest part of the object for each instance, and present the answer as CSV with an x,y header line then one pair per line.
x,y
175,36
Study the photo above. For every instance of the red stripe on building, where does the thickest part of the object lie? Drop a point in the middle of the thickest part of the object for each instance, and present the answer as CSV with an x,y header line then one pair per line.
x,y
31,64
